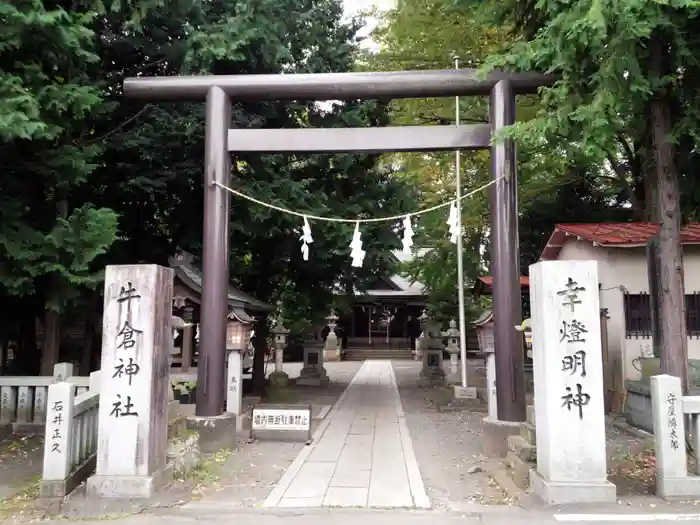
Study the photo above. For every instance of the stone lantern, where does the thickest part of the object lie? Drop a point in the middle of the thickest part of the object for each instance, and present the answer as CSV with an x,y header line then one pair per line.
x,y
432,371
526,328
331,348
313,373
423,320
279,377
452,335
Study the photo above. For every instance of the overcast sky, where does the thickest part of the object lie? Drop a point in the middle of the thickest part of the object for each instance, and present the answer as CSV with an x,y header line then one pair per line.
x,y
355,6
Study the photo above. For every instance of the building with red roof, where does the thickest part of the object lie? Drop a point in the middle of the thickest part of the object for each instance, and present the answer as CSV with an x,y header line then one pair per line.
x,y
620,249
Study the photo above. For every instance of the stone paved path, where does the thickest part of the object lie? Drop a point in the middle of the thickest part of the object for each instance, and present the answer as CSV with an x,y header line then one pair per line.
x,y
362,455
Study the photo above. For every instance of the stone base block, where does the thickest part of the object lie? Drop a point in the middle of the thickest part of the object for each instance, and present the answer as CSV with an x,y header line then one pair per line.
x,y
61,488
215,433
519,470
562,493
24,429
331,355
429,383
521,448
184,454
127,487
464,392
322,381
528,433
494,441
278,380
530,414
672,488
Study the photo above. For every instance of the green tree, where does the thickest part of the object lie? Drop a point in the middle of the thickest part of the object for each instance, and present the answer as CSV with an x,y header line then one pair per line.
x,y
626,95
48,240
425,35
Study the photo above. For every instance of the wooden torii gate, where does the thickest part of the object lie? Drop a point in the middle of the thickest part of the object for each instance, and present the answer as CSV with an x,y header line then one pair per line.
x,y
218,91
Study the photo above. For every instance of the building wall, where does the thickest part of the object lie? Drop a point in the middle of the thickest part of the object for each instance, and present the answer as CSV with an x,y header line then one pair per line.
x,y
626,269
610,298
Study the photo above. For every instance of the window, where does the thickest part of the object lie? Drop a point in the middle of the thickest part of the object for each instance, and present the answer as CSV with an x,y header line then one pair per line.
x,y
638,315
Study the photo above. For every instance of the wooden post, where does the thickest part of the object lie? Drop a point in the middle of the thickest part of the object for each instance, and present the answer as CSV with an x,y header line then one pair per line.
x,y
186,349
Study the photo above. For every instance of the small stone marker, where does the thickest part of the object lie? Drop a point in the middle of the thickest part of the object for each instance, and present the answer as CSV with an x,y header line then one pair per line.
x,y
8,404
134,383
40,394
568,375
57,441
491,394
25,401
234,382
281,422
667,401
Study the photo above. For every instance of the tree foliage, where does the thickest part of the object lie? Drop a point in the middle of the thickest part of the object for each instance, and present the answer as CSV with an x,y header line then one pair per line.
x,y
557,184
92,178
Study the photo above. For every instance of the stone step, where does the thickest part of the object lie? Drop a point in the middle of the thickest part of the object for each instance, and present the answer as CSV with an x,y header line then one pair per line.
x,y
183,452
176,426
522,448
518,470
530,414
527,431
361,355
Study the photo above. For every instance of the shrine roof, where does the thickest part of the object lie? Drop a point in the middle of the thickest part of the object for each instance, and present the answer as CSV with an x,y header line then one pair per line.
x,y
191,277
484,285
613,234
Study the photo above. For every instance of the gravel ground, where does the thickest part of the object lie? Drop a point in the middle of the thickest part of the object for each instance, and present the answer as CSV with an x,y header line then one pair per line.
x,y
447,445
249,474
242,478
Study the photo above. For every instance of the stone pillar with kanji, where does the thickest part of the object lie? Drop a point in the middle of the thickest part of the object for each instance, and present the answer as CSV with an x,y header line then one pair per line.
x,y
279,377
134,383
568,376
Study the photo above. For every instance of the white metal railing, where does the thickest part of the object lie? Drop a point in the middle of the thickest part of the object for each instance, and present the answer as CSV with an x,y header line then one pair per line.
x,y
669,411
70,442
23,399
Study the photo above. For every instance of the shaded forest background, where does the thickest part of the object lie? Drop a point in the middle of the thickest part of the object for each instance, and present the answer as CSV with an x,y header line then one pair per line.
x,y
91,178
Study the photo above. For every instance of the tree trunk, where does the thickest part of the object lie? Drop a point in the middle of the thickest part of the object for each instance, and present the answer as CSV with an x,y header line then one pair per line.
x,y
51,342
260,345
88,343
672,295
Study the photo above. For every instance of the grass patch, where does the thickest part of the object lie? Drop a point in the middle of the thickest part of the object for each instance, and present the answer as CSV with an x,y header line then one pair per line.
x,y
280,395
21,500
208,470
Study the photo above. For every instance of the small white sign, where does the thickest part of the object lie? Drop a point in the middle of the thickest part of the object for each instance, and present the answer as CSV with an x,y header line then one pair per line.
x,y
281,419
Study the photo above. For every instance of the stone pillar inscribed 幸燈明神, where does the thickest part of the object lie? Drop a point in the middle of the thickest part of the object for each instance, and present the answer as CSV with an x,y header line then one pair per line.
x,y
568,377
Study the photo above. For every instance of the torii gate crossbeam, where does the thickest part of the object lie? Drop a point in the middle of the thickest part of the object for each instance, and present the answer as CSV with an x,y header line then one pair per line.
x,y
218,91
